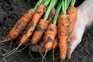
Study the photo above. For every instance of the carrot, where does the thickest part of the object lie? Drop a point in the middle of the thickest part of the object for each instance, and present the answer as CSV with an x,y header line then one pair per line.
x,y
21,24
51,15
63,34
18,28
36,17
51,32
72,12
63,31
39,31
55,43
50,36
42,25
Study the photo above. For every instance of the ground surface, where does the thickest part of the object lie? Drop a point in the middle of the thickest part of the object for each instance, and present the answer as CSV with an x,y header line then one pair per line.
x,y
12,10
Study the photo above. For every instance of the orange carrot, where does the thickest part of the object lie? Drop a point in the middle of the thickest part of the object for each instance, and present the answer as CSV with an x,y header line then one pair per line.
x,y
55,43
39,12
50,34
72,12
17,29
41,27
49,37
20,26
63,31
51,15
39,31
63,34
36,17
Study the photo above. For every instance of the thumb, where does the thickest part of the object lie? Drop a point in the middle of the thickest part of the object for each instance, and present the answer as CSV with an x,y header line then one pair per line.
x,y
75,38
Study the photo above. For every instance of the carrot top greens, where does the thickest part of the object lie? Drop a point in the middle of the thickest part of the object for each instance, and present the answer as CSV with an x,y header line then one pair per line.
x,y
65,5
68,2
38,3
46,3
73,2
57,13
52,4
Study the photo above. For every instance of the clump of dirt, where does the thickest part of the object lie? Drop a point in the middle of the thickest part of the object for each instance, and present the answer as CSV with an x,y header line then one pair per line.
x,y
12,10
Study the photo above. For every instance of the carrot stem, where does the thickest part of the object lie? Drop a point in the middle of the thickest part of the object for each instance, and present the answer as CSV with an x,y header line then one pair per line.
x,y
57,13
38,3
52,4
73,2
63,6
68,2
44,56
46,3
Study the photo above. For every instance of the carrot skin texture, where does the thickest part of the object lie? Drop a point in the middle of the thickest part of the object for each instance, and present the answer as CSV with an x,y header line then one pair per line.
x,y
49,37
63,34
36,17
51,16
41,28
55,43
72,12
35,49
39,31
19,26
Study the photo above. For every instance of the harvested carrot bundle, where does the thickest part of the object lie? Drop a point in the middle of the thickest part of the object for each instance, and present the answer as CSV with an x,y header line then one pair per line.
x,y
36,17
21,24
72,12
54,46
19,27
42,26
51,32
63,30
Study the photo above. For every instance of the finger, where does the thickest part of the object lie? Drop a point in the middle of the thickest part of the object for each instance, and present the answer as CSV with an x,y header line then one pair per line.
x,y
75,38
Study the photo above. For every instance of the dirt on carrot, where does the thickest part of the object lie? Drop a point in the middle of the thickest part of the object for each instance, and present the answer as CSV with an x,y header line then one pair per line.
x,y
50,35
20,25
41,28
72,12
36,17
63,34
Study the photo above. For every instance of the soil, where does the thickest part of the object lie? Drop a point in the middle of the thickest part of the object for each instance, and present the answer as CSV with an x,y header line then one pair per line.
x,y
12,10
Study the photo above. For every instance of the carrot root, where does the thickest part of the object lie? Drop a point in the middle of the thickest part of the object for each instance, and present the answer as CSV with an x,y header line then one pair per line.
x,y
72,12
39,31
21,24
36,17
50,35
63,34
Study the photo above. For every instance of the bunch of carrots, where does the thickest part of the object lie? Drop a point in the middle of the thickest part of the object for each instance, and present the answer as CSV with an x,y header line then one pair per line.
x,y
48,24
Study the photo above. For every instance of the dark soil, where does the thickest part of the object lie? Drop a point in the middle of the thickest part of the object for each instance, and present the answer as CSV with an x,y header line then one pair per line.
x,y
12,10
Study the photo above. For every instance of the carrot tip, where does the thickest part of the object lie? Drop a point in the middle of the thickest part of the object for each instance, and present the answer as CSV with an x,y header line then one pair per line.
x,y
5,40
2,41
62,61
44,56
